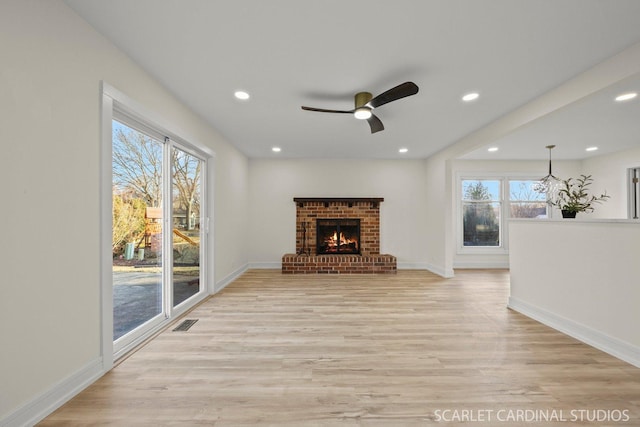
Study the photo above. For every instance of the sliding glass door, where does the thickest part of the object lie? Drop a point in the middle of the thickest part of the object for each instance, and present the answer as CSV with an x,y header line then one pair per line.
x,y
157,195
137,229
186,189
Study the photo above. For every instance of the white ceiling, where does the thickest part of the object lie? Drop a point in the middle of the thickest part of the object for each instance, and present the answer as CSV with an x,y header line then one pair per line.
x,y
288,53
594,121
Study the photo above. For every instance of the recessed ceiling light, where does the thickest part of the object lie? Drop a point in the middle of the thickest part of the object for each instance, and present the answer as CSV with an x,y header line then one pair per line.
x,y
626,96
276,149
240,94
492,149
591,149
403,150
470,96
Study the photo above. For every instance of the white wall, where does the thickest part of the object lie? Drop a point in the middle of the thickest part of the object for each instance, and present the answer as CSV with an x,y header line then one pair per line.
x,y
51,66
439,234
231,214
580,277
274,184
609,173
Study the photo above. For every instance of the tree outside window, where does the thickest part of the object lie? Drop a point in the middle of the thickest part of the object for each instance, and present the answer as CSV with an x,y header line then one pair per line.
x,y
481,212
524,201
137,185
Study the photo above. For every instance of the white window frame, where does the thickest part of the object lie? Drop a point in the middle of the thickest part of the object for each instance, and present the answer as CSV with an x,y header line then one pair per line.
x,y
460,211
505,211
113,100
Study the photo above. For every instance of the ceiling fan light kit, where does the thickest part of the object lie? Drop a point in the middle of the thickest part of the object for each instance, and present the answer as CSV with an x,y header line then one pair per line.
x,y
362,113
365,103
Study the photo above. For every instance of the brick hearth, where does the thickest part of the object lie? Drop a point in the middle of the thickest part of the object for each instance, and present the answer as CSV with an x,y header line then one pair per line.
x,y
306,261
338,264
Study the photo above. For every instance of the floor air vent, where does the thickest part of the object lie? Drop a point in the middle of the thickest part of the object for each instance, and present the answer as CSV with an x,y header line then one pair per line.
x,y
185,325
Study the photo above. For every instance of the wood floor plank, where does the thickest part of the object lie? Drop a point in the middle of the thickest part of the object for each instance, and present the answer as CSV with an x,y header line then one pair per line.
x,y
287,350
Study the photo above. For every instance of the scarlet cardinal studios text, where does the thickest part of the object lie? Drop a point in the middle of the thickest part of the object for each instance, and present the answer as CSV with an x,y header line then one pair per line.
x,y
532,415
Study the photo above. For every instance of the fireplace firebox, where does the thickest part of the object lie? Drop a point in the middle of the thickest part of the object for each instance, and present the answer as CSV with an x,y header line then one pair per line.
x,y
338,236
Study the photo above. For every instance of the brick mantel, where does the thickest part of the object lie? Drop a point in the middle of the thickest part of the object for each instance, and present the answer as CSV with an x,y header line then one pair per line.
x,y
349,200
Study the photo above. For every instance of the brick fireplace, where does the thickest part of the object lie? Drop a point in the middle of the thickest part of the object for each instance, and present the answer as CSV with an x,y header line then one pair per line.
x,y
363,257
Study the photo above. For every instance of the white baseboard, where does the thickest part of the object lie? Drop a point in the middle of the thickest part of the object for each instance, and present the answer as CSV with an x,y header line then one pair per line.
x,y
230,278
48,401
472,264
265,265
446,273
412,266
613,346
425,266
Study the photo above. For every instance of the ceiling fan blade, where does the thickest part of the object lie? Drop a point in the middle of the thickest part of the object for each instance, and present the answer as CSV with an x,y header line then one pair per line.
x,y
401,91
322,110
375,124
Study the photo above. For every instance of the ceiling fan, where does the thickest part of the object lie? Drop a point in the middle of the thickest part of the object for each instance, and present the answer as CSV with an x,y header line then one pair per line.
x,y
365,103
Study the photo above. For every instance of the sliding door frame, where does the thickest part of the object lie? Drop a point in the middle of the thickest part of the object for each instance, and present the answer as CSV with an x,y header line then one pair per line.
x,y
113,99
633,199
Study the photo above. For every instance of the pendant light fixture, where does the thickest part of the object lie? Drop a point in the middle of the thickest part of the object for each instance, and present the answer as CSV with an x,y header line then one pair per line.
x,y
550,183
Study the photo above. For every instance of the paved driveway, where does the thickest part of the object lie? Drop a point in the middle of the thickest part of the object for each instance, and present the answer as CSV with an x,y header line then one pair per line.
x,y
137,297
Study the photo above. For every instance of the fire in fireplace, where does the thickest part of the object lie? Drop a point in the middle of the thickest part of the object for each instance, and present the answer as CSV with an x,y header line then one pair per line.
x,y
338,236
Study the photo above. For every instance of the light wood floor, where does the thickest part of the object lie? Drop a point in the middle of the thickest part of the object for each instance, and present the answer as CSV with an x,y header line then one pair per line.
x,y
359,351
